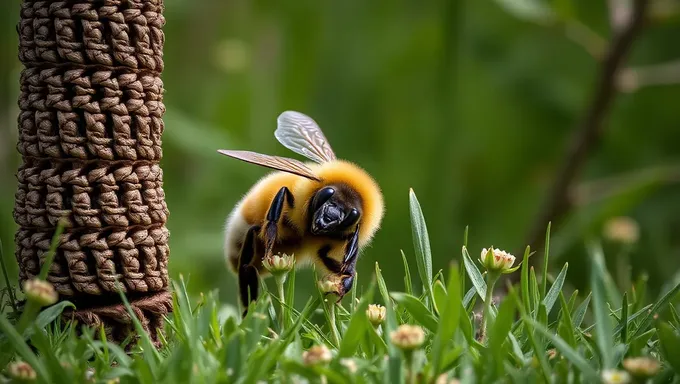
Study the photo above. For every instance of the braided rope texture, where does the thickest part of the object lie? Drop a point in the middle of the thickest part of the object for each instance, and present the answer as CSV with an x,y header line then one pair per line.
x,y
90,128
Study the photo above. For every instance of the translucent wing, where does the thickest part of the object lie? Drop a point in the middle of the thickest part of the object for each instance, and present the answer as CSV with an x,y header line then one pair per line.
x,y
274,162
300,133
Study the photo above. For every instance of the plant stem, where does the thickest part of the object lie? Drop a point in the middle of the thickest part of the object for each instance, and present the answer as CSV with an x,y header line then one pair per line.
x,y
411,372
280,280
491,278
10,291
334,329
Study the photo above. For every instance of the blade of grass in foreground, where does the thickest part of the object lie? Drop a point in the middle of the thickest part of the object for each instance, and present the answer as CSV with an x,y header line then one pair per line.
x,y
545,263
556,288
357,325
449,320
393,374
569,353
603,326
421,243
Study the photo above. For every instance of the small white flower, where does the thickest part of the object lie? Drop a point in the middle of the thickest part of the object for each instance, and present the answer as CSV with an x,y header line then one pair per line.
x,y
21,371
330,284
376,314
41,292
408,337
278,264
614,376
350,364
496,260
641,366
622,229
318,354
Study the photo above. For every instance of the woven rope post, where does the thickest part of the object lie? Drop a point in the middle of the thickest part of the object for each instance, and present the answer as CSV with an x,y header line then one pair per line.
x,y
90,127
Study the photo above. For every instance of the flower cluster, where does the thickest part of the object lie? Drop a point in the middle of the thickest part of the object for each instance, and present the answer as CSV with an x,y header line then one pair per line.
x,y
279,264
376,314
408,337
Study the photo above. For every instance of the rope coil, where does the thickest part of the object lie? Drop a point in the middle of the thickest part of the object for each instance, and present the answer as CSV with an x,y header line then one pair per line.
x,y
90,136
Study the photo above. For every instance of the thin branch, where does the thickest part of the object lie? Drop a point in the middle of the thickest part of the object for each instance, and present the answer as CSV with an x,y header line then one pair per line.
x,y
589,130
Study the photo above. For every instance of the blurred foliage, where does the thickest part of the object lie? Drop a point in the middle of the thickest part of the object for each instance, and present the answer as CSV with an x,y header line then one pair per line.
x,y
469,103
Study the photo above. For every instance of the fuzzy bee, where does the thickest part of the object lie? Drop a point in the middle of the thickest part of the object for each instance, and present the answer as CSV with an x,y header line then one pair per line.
x,y
324,211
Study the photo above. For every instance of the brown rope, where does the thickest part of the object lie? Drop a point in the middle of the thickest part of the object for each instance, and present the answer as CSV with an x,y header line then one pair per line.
x,y
90,127
117,322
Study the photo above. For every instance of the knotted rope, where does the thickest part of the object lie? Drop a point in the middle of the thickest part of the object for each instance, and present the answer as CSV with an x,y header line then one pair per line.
x,y
90,128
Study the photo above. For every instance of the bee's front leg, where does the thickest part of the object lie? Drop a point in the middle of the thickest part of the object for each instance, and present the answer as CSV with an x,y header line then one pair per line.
x,y
349,262
248,279
273,216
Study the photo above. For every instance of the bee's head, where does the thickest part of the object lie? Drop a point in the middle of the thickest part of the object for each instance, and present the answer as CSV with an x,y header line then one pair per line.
x,y
334,210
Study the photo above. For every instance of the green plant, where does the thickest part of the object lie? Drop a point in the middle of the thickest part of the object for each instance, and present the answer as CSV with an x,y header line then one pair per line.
x,y
534,334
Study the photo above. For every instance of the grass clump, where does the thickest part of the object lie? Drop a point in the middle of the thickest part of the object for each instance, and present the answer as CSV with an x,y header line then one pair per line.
x,y
535,333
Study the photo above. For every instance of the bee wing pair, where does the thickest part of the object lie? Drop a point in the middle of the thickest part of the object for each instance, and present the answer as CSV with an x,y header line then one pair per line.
x,y
299,133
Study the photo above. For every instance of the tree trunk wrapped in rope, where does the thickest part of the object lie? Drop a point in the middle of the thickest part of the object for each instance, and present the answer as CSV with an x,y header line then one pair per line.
x,y
90,127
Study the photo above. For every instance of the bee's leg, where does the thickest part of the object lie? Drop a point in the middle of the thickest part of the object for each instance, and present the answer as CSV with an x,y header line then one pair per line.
x,y
247,273
273,217
349,262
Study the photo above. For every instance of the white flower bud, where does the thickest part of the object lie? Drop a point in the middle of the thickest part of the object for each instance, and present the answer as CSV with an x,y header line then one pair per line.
x,y
613,376
496,260
376,314
41,292
408,337
278,264
642,367
318,354
21,371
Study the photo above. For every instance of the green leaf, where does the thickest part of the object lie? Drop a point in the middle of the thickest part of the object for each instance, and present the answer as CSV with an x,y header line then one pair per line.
x,y
502,324
417,309
421,243
535,292
670,344
474,274
449,320
566,325
556,288
525,277
19,345
655,309
47,316
624,319
440,296
603,326
546,256
569,353
408,283
357,325
580,312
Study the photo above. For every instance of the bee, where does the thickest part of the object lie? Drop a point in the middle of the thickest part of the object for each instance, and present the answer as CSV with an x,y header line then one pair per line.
x,y
323,211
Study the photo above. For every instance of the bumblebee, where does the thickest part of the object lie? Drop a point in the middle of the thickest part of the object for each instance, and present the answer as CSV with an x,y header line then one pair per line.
x,y
323,211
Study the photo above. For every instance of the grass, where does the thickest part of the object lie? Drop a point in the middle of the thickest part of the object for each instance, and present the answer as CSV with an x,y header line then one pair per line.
x,y
535,333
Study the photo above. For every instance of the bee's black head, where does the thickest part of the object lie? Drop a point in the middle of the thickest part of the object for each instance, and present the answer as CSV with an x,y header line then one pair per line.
x,y
334,210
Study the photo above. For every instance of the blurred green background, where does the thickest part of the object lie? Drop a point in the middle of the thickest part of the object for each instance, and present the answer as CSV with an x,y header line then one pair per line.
x,y
470,103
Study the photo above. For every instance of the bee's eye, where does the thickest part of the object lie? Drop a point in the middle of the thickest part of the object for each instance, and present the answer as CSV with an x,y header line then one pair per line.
x,y
351,218
322,196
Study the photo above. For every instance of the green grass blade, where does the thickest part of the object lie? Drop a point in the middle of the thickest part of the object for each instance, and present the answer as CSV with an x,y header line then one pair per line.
x,y
661,303
449,320
525,277
408,282
474,274
19,345
555,289
358,325
417,309
580,312
569,353
603,326
545,263
421,243
624,319
670,344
